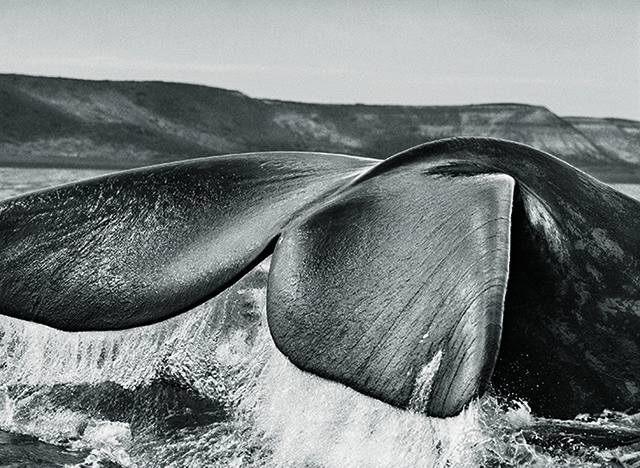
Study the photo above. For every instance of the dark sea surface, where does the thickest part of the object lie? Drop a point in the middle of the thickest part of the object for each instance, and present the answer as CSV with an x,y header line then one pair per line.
x,y
208,388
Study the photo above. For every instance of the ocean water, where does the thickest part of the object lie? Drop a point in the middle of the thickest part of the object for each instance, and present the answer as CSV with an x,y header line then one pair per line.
x,y
208,388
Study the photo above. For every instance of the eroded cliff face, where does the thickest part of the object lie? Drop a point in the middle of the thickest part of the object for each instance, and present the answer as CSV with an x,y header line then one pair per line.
x,y
66,122
618,138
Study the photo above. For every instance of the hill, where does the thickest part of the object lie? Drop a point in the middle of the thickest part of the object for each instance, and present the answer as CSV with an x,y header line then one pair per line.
x,y
81,123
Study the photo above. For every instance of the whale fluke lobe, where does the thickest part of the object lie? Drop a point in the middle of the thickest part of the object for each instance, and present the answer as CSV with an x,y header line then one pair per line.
x,y
140,246
419,280
396,288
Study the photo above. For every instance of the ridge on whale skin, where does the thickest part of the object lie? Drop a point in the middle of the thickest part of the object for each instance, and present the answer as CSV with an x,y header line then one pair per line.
x,y
421,280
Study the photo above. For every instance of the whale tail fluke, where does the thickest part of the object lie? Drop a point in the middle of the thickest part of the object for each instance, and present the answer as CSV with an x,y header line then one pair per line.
x,y
397,287
139,246
390,277
393,285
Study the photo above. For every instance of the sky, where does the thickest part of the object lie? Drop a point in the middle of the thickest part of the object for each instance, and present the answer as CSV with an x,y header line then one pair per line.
x,y
576,57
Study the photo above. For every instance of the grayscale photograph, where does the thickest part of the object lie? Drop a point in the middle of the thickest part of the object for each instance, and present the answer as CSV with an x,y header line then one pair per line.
x,y
328,234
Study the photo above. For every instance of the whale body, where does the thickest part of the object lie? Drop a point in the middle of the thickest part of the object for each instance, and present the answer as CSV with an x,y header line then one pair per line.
x,y
422,280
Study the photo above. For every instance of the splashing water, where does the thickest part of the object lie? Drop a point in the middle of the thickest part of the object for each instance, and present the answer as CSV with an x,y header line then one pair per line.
x,y
209,388
219,360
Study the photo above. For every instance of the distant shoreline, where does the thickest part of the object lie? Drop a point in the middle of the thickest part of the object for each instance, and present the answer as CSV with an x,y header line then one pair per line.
x,y
609,175
115,125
